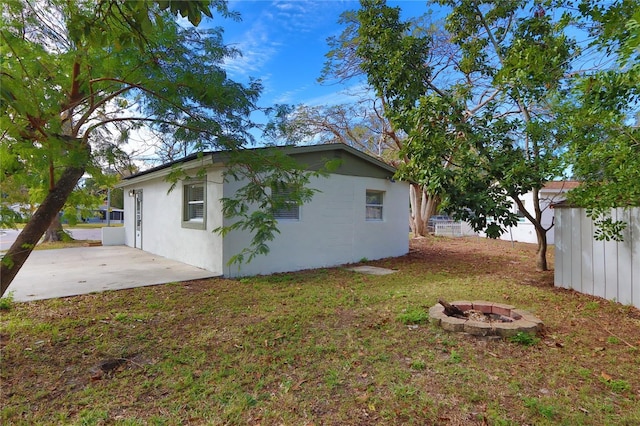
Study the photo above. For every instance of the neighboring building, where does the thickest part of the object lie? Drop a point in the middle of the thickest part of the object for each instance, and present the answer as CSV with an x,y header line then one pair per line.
x,y
23,212
100,216
359,212
553,192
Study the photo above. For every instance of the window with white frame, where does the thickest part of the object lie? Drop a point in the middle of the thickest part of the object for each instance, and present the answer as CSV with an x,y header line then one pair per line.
x,y
194,205
374,204
288,209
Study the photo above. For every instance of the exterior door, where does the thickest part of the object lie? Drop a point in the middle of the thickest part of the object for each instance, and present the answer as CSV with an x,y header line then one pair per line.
x,y
138,219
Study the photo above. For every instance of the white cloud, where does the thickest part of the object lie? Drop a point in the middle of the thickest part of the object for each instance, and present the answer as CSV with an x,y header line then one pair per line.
x,y
290,96
270,29
342,96
256,47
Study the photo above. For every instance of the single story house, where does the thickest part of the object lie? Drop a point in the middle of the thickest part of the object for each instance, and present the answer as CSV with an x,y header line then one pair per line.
x,y
359,212
553,192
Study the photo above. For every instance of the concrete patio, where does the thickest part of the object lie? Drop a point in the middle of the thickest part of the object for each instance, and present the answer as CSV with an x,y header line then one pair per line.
x,y
49,274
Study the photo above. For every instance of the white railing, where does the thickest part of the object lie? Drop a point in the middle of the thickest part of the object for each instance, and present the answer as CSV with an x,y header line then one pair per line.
x,y
448,228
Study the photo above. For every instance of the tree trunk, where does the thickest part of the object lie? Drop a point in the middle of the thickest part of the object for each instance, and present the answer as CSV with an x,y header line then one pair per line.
x,y
541,232
415,200
55,232
423,206
37,225
541,260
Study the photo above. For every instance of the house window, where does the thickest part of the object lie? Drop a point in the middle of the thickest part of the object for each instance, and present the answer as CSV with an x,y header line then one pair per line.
x,y
288,209
194,205
374,205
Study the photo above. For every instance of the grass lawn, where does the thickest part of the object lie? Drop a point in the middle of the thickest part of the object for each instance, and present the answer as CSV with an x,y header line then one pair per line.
x,y
67,244
324,347
89,225
83,225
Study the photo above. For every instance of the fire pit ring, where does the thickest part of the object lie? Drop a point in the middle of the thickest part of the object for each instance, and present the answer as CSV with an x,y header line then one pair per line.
x,y
513,320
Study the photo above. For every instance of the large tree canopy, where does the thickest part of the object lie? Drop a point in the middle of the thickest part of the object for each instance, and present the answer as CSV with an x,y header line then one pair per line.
x,y
79,76
604,120
488,127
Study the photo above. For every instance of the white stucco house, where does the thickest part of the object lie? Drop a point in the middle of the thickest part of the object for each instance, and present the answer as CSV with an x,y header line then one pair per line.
x,y
359,212
524,232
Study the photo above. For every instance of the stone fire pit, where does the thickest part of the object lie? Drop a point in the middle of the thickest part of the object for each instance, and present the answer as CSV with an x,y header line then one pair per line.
x,y
486,319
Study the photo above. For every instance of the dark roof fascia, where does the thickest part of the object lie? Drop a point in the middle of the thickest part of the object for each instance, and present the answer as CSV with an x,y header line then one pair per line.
x,y
170,164
568,205
293,150
564,204
219,156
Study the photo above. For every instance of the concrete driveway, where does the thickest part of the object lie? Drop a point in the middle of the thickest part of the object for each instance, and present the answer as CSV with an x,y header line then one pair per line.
x,y
48,274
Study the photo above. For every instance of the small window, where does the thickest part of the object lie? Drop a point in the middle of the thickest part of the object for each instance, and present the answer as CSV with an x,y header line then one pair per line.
x,y
194,207
374,205
290,210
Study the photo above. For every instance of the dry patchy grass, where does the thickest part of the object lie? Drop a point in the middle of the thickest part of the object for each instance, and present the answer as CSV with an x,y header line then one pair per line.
x,y
324,347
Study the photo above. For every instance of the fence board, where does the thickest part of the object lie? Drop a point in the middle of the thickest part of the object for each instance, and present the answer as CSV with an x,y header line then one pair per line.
x,y
557,281
562,276
576,242
634,231
611,269
586,231
598,268
625,282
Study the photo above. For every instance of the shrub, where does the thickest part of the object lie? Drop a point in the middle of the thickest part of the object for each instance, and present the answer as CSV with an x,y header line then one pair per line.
x,y
414,316
6,302
526,339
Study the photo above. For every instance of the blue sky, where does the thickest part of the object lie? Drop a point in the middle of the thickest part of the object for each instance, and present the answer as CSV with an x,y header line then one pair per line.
x,y
283,44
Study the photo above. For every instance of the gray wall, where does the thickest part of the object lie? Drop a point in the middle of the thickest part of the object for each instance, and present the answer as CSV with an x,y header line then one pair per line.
x,y
607,269
332,229
162,230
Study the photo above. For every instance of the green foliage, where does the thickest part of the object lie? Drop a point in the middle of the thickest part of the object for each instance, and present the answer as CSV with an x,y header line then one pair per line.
x,y
414,315
490,116
471,136
617,385
393,59
6,302
455,357
612,340
72,95
109,69
603,113
525,339
418,365
547,411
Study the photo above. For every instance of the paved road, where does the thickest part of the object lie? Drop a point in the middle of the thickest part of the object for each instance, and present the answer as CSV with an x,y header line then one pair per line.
x,y
8,236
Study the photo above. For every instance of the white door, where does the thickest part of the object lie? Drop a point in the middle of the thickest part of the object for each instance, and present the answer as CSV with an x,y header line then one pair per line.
x,y
138,218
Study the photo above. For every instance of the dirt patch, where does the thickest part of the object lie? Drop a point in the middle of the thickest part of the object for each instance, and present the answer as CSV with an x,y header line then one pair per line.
x,y
476,255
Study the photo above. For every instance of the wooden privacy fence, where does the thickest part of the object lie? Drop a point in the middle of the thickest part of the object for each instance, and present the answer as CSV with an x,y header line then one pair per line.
x,y
607,269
